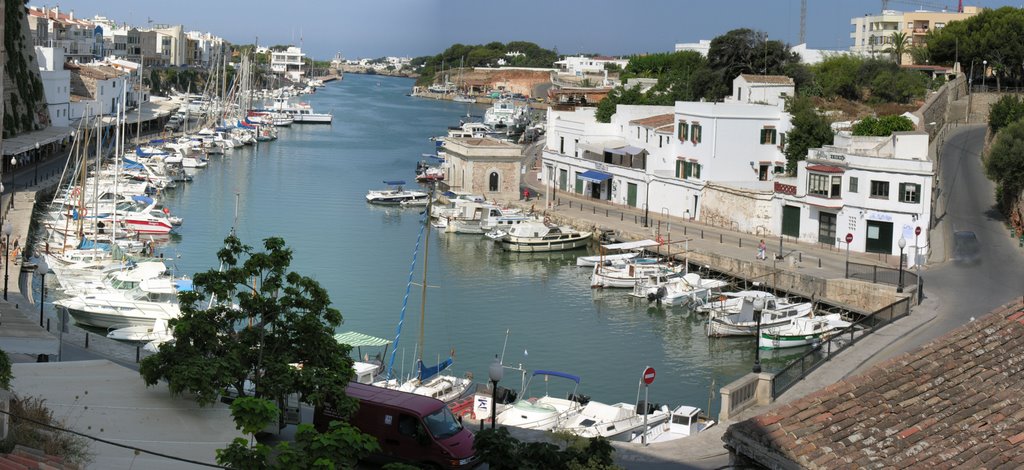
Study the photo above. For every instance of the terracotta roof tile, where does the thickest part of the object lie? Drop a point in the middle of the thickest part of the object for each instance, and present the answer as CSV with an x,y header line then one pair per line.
x,y
955,402
654,121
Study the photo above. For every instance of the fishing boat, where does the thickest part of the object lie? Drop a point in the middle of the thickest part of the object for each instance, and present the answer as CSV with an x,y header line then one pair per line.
x,y
625,275
546,412
776,312
802,331
615,252
617,422
429,380
152,300
677,289
394,194
531,237
685,421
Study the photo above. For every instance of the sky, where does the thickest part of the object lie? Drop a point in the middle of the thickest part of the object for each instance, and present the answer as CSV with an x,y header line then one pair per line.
x,y
377,28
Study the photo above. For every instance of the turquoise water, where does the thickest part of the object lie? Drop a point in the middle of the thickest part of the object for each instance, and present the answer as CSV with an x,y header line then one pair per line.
x,y
308,187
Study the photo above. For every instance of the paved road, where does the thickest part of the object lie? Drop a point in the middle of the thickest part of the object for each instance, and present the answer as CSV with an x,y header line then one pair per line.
x,y
967,202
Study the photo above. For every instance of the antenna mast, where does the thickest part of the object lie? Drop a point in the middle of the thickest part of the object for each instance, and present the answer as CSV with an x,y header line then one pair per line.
x,y
803,21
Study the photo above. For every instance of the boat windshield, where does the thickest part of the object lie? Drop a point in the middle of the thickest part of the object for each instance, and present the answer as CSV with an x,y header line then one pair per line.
x,y
442,423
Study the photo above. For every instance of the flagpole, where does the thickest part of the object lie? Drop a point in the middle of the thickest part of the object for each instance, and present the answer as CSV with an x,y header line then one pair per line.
x,y
502,361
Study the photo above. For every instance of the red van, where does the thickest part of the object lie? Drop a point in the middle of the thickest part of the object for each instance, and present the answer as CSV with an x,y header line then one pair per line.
x,y
410,428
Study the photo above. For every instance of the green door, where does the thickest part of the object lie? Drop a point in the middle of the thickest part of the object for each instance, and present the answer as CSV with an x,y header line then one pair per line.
x,y
791,221
879,237
563,176
631,194
827,228
579,184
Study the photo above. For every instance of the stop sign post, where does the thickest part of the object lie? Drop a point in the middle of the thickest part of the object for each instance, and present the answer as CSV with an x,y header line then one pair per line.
x,y
849,240
917,233
648,379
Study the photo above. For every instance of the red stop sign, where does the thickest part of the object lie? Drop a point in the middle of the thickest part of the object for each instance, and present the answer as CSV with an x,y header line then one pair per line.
x,y
649,375
917,230
849,238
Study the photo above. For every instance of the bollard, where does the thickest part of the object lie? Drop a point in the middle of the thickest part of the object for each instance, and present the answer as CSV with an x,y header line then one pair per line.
x,y
721,237
581,207
606,212
634,218
819,262
801,256
1021,241
741,243
595,209
701,234
570,203
622,216
684,230
47,325
87,341
137,353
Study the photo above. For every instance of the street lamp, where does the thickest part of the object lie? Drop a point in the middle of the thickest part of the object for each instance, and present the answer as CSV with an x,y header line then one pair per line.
x,y
41,270
35,178
647,203
495,371
903,244
8,228
758,307
984,71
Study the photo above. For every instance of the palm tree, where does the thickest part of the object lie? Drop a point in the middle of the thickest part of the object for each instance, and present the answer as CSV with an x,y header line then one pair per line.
x,y
899,42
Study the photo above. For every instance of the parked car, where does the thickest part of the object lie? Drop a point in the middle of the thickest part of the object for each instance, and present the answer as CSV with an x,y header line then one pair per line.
x,y
966,247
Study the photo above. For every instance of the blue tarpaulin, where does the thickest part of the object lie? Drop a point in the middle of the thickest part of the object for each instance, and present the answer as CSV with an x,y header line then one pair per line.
x,y
132,165
594,176
142,199
428,372
88,244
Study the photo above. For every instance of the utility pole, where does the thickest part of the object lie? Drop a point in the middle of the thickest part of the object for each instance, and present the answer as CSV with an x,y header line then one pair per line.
x,y
803,21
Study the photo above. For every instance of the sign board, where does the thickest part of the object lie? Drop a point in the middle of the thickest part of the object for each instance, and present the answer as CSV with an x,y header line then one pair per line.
x,y
849,238
649,375
917,231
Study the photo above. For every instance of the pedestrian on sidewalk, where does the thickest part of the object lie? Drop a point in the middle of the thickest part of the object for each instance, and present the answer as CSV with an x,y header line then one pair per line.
x,y
762,250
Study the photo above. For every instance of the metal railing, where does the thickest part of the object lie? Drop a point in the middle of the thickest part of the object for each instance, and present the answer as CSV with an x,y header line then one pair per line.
x,y
818,355
879,274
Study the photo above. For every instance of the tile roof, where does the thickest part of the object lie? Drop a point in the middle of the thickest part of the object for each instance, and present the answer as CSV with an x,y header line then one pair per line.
x,y
955,402
825,168
655,121
767,79
666,129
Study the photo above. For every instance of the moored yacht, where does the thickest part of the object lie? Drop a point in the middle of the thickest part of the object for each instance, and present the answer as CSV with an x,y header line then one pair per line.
x,y
394,194
538,237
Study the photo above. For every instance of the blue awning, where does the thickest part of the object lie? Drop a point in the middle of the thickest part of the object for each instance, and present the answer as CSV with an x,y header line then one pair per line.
x,y
594,176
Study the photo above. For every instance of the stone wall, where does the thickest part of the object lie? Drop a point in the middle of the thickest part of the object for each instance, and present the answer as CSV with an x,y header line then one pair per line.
x,y
23,98
508,179
744,210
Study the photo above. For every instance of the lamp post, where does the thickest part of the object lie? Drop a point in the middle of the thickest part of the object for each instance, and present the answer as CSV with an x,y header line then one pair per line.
x,y
41,270
758,307
495,371
984,72
647,202
35,177
7,256
903,244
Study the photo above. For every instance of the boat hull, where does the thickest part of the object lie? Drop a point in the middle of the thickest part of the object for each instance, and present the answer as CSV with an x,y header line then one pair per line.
x,y
527,245
110,318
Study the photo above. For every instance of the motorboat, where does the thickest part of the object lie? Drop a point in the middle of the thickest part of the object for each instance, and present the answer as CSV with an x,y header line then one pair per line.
x,y
802,331
123,279
776,312
677,289
482,218
546,412
503,113
531,237
729,302
617,422
153,299
685,421
625,275
300,113
394,194
159,332
620,252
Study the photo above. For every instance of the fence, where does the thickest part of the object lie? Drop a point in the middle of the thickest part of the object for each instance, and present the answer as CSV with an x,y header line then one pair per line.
x,y
880,274
818,355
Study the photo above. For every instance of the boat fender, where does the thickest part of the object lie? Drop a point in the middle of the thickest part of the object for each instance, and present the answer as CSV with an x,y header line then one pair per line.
x,y
547,220
661,241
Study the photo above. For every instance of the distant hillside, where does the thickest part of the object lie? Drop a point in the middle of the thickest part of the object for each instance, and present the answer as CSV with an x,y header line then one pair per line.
x,y
514,54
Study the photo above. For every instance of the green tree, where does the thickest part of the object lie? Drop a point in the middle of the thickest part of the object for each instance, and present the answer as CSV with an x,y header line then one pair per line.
x,y
899,86
155,87
341,446
5,371
995,35
747,51
1009,109
501,451
1005,164
882,126
838,76
620,95
264,319
898,44
810,130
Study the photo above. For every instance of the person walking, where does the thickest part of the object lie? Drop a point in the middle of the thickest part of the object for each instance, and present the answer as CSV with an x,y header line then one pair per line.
x,y
762,250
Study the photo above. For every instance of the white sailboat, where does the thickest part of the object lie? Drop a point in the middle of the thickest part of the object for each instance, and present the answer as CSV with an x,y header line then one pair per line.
x,y
429,380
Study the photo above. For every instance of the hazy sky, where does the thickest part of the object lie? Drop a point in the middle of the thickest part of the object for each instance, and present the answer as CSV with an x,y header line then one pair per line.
x,y
375,28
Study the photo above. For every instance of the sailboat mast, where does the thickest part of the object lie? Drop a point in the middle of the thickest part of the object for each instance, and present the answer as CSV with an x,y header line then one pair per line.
x,y
426,257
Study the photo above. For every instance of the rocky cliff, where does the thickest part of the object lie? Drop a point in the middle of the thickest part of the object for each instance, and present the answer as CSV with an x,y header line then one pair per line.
x,y
23,99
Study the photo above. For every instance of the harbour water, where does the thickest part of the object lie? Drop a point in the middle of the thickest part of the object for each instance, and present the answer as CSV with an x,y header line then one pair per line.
x,y
308,187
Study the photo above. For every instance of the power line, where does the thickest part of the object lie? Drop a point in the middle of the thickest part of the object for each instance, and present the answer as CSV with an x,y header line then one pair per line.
x,y
115,444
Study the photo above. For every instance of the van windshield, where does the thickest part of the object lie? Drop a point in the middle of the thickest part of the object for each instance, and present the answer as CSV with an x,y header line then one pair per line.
x,y
442,423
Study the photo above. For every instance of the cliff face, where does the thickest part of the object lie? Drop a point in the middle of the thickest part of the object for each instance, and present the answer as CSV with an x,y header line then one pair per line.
x,y
24,103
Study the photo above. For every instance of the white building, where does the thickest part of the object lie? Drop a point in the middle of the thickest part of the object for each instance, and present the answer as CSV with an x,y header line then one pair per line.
x,y
702,46
288,63
665,158
581,65
877,189
96,90
202,47
56,84
78,38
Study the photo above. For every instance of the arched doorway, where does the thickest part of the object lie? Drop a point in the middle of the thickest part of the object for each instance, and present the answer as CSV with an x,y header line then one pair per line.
x,y
492,184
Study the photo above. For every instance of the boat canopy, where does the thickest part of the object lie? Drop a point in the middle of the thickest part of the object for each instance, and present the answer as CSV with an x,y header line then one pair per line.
x,y
631,245
574,378
356,339
143,199
132,165
88,244
428,372
394,182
